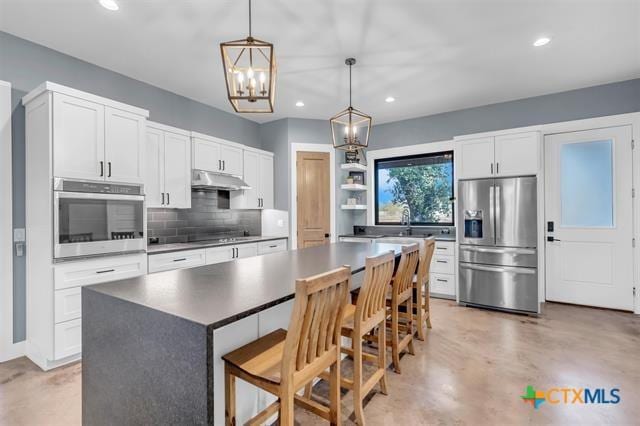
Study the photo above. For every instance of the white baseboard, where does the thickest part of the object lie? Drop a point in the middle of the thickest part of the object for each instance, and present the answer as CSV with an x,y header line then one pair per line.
x,y
13,351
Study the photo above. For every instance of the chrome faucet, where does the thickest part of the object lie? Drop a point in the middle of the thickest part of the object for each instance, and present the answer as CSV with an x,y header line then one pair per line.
x,y
406,218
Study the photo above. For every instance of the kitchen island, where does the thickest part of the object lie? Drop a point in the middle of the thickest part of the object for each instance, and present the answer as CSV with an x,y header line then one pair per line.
x,y
152,344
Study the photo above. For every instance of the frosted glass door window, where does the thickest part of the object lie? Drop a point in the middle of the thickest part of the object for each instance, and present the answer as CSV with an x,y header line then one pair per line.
x,y
586,184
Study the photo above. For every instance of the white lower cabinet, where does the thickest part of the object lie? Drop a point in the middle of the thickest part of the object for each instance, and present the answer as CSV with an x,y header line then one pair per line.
x,y
225,340
68,338
67,304
442,278
227,253
266,247
176,260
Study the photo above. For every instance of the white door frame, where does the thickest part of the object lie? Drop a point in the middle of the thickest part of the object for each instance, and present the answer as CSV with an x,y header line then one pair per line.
x,y
8,349
632,119
311,147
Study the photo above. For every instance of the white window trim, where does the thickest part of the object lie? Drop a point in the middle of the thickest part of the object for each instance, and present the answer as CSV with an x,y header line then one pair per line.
x,y
311,147
8,349
424,148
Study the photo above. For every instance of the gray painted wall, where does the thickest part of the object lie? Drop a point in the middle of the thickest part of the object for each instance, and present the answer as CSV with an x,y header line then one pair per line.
x,y
26,65
274,137
597,101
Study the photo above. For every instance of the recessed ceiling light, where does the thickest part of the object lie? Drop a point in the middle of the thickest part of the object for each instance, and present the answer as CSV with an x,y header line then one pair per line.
x,y
541,41
390,99
299,104
109,5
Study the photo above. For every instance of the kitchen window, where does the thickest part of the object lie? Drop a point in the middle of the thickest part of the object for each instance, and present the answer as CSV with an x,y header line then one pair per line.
x,y
422,182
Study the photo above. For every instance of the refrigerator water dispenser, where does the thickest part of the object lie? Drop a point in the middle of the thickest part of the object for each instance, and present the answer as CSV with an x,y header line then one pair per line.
x,y
473,223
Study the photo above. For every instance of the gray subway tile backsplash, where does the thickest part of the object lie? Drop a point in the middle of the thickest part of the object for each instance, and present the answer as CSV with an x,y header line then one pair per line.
x,y
208,216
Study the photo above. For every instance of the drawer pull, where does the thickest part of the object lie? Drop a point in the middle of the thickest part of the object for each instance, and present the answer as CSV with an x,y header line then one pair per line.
x,y
442,261
180,260
105,271
273,246
442,248
441,280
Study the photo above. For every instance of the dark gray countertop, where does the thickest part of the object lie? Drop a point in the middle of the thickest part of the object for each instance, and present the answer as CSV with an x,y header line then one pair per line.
x,y
167,248
440,237
215,295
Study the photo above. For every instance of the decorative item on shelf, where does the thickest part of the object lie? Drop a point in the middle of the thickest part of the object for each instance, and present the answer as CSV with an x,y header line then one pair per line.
x,y
351,157
357,177
352,201
350,180
350,128
250,73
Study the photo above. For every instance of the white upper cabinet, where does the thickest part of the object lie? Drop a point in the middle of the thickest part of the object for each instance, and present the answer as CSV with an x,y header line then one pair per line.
x,y
95,138
78,136
124,146
517,154
258,174
497,156
216,155
168,168
476,158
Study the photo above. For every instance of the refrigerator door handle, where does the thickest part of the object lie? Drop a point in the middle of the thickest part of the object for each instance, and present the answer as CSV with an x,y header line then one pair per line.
x,y
498,200
492,218
506,250
507,269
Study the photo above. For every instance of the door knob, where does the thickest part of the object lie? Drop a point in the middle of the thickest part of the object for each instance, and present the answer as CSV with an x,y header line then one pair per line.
x,y
552,239
327,235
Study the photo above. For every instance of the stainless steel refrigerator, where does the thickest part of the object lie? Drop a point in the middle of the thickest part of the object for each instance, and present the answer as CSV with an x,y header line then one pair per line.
x,y
498,257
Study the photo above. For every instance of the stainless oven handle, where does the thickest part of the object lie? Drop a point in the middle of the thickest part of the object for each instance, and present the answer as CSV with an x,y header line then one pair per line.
x,y
507,269
506,250
97,195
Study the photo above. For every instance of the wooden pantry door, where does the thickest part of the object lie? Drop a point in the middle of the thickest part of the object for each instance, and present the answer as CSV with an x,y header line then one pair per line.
x,y
313,194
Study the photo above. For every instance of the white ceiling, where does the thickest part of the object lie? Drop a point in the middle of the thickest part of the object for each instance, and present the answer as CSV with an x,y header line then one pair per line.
x,y
432,56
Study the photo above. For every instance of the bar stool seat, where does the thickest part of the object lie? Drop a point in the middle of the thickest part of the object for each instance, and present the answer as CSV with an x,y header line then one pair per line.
x,y
261,358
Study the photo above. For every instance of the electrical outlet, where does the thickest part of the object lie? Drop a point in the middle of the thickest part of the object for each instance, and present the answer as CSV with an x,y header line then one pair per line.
x,y
19,235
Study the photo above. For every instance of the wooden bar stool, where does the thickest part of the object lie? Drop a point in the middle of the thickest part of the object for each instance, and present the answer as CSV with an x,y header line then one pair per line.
x,y
400,304
422,286
360,319
283,362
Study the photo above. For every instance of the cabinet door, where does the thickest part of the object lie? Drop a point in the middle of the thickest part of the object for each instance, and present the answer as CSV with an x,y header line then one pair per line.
x,y
206,155
476,158
266,181
68,338
78,138
248,198
219,254
154,168
246,250
517,154
177,170
232,158
124,145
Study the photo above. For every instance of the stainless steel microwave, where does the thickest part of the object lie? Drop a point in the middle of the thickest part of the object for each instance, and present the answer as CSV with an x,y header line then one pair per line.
x,y
93,218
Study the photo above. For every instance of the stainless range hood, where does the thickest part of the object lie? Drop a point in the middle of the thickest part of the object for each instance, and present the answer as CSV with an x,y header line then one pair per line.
x,y
210,181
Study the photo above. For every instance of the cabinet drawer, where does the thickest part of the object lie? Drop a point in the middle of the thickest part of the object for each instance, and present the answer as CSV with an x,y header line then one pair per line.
x,y
68,304
443,264
94,271
176,260
442,284
445,247
68,339
266,247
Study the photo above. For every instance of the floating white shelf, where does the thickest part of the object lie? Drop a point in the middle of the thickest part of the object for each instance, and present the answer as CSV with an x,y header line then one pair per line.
x,y
353,207
354,167
353,187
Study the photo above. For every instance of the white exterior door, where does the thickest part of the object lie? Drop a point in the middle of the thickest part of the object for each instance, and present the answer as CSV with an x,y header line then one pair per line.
x,y
588,199
124,144
78,138
476,158
266,181
177,170
154,170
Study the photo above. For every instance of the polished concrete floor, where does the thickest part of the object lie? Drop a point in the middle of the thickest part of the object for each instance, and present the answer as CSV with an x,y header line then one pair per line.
x,y
471,370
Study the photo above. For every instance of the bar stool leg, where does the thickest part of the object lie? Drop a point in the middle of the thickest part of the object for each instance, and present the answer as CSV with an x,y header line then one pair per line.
x,y
229,397
357,380
334,393
395,340
382,356
410,326
286,408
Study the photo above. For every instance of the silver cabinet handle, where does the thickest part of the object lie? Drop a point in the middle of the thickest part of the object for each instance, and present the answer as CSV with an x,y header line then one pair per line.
x,y
101,168
273,246
105,271
491,168
219,164
168,202
507,269
497,168
224,165
162,203
442,261
109,163
441,280
180,260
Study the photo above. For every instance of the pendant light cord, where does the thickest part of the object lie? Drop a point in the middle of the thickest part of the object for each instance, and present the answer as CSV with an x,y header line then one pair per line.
x,y
350,85
249,18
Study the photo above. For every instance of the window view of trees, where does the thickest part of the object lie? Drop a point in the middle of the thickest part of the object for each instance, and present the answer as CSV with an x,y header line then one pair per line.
x,y
423,183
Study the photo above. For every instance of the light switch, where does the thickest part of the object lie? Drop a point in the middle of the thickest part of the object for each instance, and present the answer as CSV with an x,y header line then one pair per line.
x,y
19,235
280,223
19,249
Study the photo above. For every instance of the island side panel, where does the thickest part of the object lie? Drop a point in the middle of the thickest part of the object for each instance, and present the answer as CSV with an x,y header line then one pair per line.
x,y
141,366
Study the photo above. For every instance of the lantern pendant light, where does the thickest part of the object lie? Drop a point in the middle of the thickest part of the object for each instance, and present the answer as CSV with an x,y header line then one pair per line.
x,y
250,73
350,128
